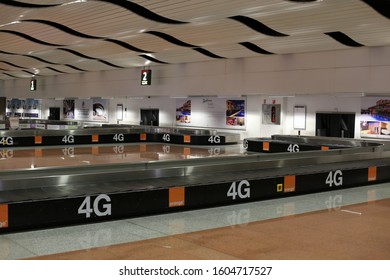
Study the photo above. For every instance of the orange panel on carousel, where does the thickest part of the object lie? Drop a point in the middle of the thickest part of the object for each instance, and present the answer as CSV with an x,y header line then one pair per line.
x,y
372,173
38,140
289,183
3,215
95,138
176,196
187,139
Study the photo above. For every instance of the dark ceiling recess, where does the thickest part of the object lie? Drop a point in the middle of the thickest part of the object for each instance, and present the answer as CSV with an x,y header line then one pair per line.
x,y
142,11
258,26
56,70
126,46
152,59
31,73
26,5
30,38
89,57
343,39
9,75
12,64
63,28
303,1
133,32
171,39
381,6
30,56
207,53
75,68
254,48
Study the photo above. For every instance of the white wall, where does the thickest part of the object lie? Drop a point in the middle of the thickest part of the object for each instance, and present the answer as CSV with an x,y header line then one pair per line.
x,y
132,107
322,103
314,78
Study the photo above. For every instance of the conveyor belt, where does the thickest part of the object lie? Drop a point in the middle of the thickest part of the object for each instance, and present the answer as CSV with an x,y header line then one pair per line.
x,y
64,195
133,185
115,135
87,180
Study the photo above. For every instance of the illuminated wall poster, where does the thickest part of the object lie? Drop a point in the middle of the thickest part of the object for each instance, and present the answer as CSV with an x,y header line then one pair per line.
x,y
68,109
100,110
235,112
24,108
211,112
183,111
375,118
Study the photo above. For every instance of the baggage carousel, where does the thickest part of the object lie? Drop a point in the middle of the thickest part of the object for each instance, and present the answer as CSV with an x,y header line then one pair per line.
x,y
45,185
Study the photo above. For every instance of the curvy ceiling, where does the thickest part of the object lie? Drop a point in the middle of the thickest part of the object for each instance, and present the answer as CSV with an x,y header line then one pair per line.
x,y
53,37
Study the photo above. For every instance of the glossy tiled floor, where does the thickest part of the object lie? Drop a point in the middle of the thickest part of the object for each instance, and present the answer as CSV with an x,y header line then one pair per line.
x,y
26,158
344,224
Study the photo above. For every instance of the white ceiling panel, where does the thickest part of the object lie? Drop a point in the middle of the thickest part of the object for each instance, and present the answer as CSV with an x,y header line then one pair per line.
x,y
52,37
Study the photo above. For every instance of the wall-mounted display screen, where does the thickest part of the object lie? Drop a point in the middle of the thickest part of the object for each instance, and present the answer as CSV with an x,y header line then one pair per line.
x,y
299,117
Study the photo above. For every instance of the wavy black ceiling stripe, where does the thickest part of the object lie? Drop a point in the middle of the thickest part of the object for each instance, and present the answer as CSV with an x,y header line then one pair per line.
x,y
76,53
171,39
75,68
152,59
63,28
29,38
126,46
254,48
382,7
30,56
12,76
56,70
12,64
258,26
41,59
208,53
302,1
109,64
83,35
31,73
89,57
343,39
142,11
26,5
8,53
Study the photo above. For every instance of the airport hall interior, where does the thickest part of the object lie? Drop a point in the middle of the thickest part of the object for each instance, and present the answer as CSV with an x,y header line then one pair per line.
x,y
194,130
